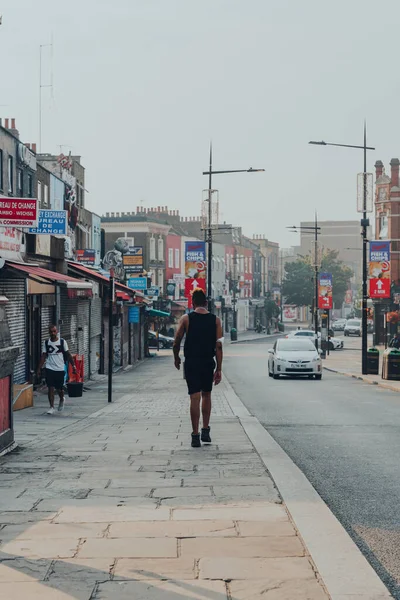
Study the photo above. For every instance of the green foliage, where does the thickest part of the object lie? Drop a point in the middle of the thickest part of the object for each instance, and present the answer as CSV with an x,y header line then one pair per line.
x,y
298,285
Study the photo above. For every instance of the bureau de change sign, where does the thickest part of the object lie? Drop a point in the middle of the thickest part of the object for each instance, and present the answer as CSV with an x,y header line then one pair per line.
x,y
51,222
18,212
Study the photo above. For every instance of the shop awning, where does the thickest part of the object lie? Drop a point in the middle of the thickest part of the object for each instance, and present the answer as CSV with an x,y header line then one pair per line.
x,y
40,274
127,292
158,313
123,296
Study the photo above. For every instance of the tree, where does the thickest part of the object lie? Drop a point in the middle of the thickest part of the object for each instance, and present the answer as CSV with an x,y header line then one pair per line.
x,y
299,286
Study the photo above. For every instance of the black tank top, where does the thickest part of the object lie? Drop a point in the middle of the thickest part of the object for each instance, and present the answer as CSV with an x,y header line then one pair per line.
x,y
201,338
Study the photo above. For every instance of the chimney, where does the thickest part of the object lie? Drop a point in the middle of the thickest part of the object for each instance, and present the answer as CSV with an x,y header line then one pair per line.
x,y
6,123
394,175
28,146
13,129
379,168
158,209
12,123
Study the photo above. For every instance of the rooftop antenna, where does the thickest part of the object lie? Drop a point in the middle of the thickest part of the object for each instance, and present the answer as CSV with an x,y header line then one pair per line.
x,y
41,85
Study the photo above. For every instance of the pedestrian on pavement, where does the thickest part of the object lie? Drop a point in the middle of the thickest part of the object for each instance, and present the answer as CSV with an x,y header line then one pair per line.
x,y
204,338
395,341
55,354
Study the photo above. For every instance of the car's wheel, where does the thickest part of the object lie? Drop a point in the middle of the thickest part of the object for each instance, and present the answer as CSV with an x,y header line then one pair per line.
x,y
318,377
161,345
276,375
331,346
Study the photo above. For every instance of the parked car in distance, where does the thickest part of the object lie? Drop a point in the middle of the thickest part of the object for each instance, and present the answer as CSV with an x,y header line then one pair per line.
x,y
296,357
163,340
353,327
334,342
339,324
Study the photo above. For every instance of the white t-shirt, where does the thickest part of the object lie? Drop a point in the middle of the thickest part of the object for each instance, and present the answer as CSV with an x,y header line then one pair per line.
x,y
55,356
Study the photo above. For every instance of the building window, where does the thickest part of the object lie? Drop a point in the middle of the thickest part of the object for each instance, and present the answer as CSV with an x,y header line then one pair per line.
x,y
20,183
245,265
161,280
383,229
39,192
152,248
171,258
250,265
160,248
177,258
45,195
10,175
30,186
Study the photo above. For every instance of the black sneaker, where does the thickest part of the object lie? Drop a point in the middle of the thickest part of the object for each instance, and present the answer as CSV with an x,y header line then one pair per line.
x,y
205,435
196,440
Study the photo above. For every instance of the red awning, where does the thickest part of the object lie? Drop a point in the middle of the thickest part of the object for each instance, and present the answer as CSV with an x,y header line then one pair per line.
x,y
39,274
123,296
120,287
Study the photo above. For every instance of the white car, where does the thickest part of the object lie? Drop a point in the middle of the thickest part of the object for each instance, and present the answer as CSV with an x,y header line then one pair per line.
x,y
353,327
298,357
334,342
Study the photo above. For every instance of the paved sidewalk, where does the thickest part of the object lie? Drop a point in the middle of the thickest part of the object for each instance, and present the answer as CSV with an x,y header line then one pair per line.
x,y
348,363
114,504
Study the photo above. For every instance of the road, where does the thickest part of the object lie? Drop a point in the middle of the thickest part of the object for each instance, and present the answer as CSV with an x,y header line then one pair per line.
x,y
344,435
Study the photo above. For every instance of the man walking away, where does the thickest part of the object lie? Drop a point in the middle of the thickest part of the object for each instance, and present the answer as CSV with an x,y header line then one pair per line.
x,y
203,342
55,354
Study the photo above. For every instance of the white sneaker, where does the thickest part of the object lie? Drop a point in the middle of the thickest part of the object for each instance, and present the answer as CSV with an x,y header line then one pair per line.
x,y
50,411
61,406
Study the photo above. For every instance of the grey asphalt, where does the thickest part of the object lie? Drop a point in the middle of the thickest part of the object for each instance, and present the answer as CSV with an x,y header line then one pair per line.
x,y
345,436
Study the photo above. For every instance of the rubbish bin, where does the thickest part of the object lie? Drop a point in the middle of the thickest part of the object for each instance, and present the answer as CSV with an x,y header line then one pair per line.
x,y
233,334
75,380
391,364
373,361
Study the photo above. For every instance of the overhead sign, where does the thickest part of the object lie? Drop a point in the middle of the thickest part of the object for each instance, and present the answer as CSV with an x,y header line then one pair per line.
x,y
51,222
379,269
137,283
325,300
195,260
191,285
134,314
133,260
86,256
18,212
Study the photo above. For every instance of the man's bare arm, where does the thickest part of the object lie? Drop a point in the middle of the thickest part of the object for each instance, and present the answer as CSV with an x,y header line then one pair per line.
x,y
180,332
41,363
218,352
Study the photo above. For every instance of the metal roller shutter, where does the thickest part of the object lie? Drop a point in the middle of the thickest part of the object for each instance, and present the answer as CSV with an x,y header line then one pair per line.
x,y
15,291
47,319
75,326
96,317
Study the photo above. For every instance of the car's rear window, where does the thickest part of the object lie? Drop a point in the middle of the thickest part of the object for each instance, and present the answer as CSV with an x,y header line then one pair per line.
x,y
304,334
354,323
295,345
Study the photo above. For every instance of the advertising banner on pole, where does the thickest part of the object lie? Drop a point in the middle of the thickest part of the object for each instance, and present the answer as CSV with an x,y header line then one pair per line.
x,y
325,300
379,269
195,260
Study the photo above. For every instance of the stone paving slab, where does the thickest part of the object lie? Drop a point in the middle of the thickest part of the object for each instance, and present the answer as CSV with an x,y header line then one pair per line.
x,y
116,504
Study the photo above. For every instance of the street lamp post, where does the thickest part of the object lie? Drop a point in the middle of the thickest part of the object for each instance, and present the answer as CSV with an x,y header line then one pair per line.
x,y
316,230
210,173
364,226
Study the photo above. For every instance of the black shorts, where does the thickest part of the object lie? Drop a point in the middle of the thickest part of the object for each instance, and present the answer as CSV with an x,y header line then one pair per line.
x,y
199,375
55,379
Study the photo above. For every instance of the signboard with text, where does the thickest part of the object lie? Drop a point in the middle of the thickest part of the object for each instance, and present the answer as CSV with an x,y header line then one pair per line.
x,y
153,291
51,222
137,283
134,314
325,300
18,212
133,260
195,260
379,269
86,256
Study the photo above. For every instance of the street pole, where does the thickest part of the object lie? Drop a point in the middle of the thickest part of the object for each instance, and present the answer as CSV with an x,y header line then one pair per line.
x,y
111,294
364,320
235,282
209,234
316,281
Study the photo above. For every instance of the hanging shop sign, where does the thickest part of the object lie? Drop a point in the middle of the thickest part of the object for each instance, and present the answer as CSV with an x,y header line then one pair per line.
x,y
51,222
18,212
325,300
133,260
195,260
86,257
379,269
137,283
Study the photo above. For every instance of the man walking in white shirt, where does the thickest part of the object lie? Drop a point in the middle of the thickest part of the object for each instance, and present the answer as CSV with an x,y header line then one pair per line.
x,y
55,354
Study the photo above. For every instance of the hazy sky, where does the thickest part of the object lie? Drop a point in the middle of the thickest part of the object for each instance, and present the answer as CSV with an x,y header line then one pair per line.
x,y
140,88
